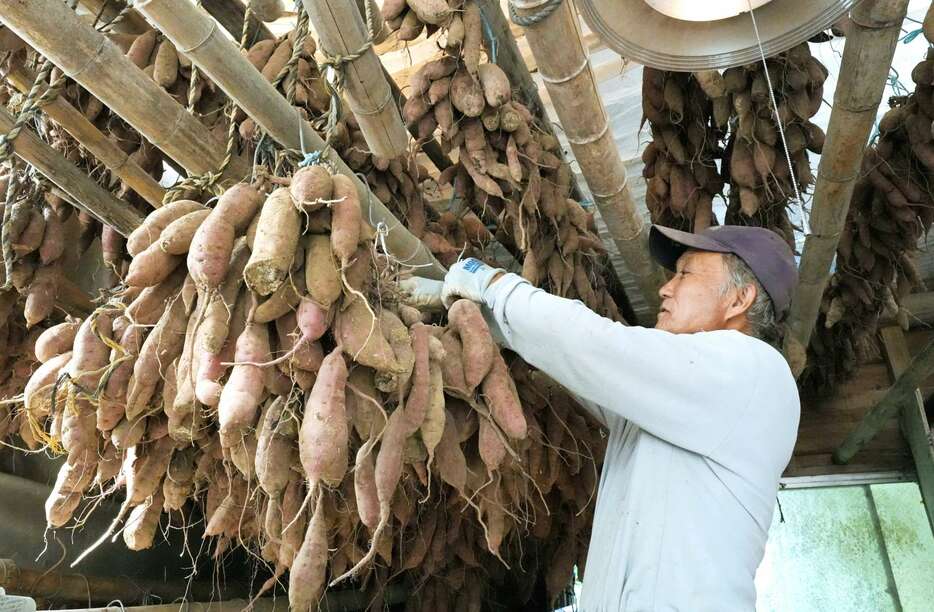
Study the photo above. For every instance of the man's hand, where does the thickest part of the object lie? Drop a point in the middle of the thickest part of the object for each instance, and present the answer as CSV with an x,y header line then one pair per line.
x,y
422,293
468,279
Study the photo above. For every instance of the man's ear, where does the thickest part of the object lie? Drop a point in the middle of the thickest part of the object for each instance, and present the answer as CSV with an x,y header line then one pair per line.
x,y
743,301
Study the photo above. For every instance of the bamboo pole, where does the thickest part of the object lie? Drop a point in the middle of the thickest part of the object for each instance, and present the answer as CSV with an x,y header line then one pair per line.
x,y
565,68
903,391
99,145
88,195
867,55
98,65
341,31
196,34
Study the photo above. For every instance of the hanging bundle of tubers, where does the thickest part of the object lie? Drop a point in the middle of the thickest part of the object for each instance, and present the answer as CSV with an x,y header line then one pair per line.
x,y
892,208
754,162
251,345
508,170
689,115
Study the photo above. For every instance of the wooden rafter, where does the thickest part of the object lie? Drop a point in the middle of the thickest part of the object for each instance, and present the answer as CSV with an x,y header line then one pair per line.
x,y
98,65
194,33
867,55
88,195
91,138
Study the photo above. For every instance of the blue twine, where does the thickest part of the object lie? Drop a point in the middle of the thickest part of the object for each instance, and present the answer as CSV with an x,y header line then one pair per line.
x,y
311,159
910,36
488,32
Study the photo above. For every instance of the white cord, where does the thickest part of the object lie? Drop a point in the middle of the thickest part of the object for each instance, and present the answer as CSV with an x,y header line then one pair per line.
x,y
781,131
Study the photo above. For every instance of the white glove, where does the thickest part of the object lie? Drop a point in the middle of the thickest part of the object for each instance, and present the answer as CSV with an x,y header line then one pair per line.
x,y
422,293
468,279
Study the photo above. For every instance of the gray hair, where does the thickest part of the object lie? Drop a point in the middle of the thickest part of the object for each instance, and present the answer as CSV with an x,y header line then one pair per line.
x,y
761,314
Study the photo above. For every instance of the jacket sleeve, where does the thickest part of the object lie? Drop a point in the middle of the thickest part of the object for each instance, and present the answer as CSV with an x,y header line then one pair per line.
x,y
688,389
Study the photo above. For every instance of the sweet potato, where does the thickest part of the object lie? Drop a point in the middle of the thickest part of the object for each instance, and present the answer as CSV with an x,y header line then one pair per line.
x,y
322,276
151,267
165,70
53,239
503,399
42,293
311,187
361,337
307,575
495,84
31,236
432,427
141,525
213,242
283,300
473,38
416,403
346,218
466,94
149,231
163,344
142,48
323,437
90,355
274,449
276,240
150,304
176,238
478,349
434,12
56,340
242,394
37,395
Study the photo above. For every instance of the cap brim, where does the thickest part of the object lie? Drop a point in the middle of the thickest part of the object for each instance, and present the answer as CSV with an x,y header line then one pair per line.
x,y
666,244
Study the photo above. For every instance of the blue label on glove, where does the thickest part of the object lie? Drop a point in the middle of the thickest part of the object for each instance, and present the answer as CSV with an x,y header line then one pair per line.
x,y
472,265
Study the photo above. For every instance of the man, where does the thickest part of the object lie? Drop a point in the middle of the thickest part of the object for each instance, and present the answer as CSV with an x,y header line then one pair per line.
x,y
702,413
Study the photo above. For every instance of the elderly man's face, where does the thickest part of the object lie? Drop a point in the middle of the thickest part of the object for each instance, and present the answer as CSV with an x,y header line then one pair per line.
x,y
693,300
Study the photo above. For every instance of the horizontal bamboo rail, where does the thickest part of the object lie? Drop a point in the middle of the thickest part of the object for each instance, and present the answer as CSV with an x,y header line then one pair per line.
x,y
196,34
867,55
88,195
98,65
92,139
565,68
341,31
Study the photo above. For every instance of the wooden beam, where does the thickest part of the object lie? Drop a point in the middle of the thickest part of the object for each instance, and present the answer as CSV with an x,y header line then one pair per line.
x,y
108,9
195,33
867,55
920,309
99,145
98,65
913,419
229,13
88,195
73,587
341,30
564,66
900,394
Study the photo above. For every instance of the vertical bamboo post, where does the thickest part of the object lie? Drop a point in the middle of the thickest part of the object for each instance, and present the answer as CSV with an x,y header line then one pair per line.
x,y
196,34
867,54
99,145
87,56
565,68
341,32
90,197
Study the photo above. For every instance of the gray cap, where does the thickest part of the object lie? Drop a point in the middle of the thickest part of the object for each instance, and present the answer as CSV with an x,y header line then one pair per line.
x,y
765,252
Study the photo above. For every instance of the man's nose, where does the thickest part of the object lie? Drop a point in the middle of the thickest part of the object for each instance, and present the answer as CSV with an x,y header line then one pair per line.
x,y
667,289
